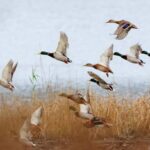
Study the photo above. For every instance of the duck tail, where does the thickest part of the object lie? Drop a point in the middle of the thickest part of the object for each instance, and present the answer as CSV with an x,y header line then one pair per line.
x,y
110,71
110,87
141,63
68,60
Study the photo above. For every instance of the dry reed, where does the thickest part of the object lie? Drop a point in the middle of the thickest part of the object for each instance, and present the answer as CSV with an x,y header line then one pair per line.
x,y
129,118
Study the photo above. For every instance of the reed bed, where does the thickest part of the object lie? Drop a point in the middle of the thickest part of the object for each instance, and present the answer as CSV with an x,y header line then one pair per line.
x,y
130,118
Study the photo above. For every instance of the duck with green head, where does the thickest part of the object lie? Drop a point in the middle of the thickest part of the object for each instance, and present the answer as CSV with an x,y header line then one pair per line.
x,y
61,51
133,57
100,82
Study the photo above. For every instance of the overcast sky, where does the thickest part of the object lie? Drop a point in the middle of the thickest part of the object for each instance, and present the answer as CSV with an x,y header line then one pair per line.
x,y
28,26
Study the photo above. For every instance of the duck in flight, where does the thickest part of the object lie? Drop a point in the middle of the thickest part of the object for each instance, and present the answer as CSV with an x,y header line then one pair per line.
x,y
133,57
123,28
27,131
85,112
105,59
61,50
99,81
7,75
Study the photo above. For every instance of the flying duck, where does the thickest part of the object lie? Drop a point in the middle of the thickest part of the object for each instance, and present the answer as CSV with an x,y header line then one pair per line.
x,y
31,127
7,75
85,112
61,51
123,28
25,135
133,57
105,59
99,81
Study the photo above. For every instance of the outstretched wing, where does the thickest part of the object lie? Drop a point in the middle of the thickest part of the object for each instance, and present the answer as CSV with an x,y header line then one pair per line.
x,y
122,34
118,30
107,56
95,76
7,71
13,70
135,50
63,44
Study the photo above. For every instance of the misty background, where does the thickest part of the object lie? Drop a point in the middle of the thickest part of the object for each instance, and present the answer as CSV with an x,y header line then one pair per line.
x,y
29,26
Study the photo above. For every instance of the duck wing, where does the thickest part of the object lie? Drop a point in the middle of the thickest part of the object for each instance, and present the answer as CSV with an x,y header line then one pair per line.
x,y
122,34
13,70
63,44
118,30
107,56
95,76
135,50
7,71
36,116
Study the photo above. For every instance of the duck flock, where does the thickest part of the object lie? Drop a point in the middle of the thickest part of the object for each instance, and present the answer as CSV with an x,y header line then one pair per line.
x,y
85,111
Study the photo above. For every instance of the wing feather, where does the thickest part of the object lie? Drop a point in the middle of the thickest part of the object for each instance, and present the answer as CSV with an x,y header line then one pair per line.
x,y
13,70
107,56
6,73
135,50
63,44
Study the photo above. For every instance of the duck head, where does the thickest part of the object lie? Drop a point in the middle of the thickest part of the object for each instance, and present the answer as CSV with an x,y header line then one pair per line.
x,y
111,21
93,80
122,56
117,54
46,53
146,53
88,65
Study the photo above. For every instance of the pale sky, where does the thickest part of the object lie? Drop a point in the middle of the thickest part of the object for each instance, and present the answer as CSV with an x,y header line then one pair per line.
x,y
28,26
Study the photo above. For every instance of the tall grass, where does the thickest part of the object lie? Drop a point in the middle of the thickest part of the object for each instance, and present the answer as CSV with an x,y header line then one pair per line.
x,y
129,118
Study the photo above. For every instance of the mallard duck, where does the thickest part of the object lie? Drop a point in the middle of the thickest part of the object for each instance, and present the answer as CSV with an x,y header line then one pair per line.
x,y
77,97
25,135
105,59
123,28
30,126
100,82
61,51
7,75
85,112
133,57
